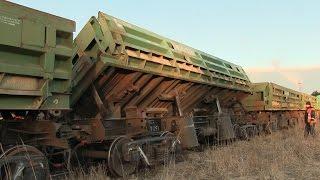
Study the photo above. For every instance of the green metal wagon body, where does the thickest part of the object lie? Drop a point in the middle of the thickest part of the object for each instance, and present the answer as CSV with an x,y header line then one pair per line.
x,y
35,68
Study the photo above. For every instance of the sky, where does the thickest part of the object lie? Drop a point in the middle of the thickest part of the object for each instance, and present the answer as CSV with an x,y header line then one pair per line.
x,y
263,36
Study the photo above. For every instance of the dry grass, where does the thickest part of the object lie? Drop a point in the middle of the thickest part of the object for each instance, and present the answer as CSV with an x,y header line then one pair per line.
x,y
95,173
282,155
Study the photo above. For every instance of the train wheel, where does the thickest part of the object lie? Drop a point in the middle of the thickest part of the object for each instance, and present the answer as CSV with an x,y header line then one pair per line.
x,y
292,122
58,159
274,126
172,141
119,161
252,131
23,162
240,132
174,147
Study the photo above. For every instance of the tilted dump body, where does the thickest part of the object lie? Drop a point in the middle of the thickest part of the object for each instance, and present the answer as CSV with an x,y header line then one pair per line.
x,y
35,65
126,46
137,80
272,97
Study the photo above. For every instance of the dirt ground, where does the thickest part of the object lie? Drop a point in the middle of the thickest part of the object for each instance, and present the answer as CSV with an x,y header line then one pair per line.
x,y
281,155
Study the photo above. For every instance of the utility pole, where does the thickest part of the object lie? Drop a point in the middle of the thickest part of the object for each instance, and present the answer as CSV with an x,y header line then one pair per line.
x,y
300,86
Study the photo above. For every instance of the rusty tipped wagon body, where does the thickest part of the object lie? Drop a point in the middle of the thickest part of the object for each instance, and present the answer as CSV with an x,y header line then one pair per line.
x,y
147,90
116,92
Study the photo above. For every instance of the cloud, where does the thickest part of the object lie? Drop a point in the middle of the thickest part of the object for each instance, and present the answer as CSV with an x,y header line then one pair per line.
x,y
287,69
304,78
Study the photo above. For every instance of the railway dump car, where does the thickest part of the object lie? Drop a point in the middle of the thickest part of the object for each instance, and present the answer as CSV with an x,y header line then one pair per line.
x,y
35,76
120,93
136,89
272,106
